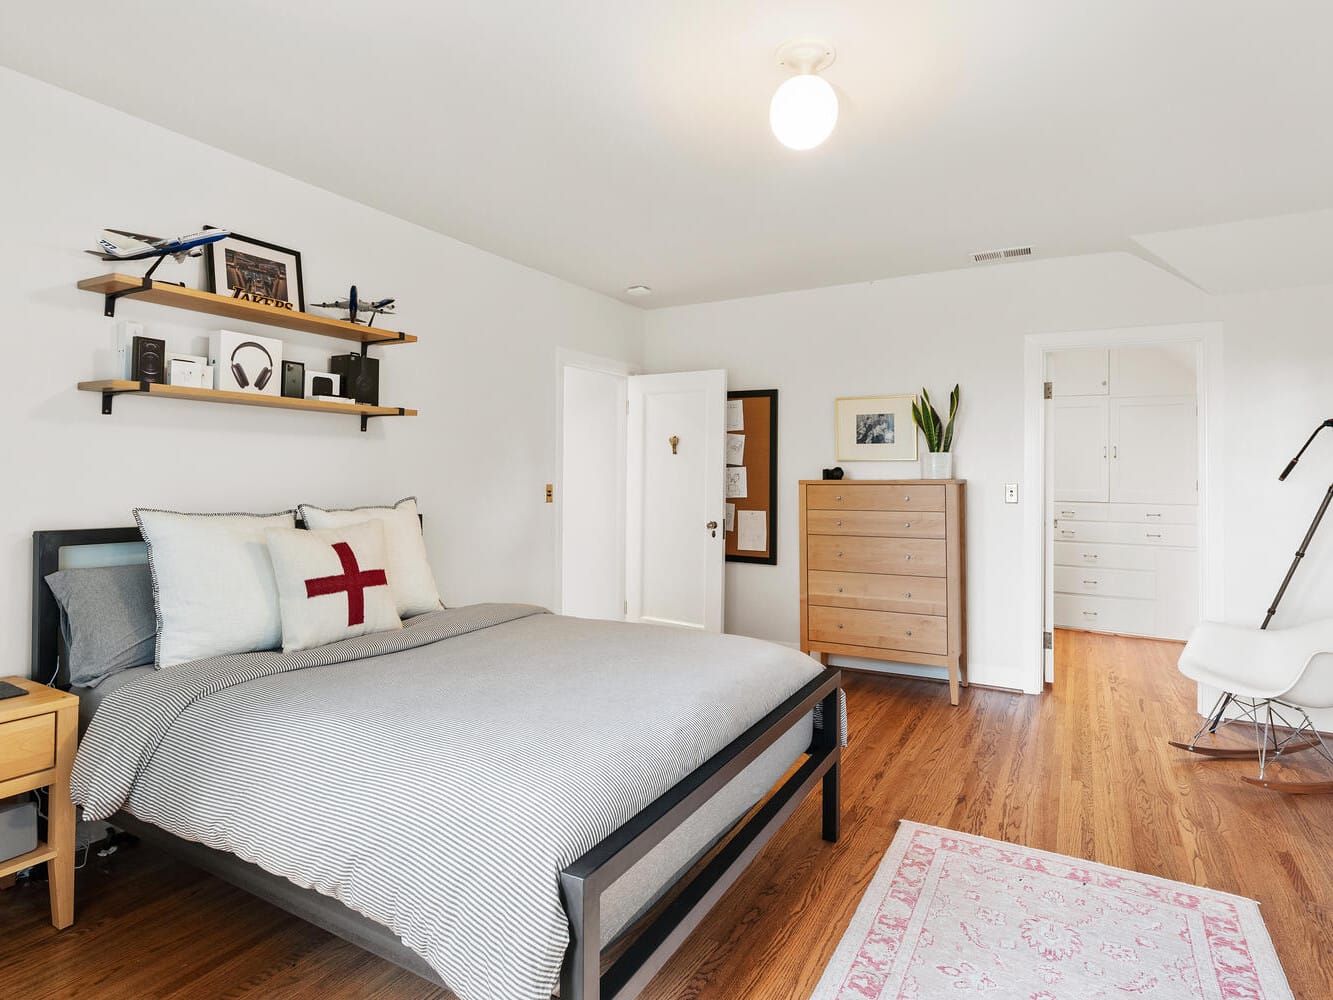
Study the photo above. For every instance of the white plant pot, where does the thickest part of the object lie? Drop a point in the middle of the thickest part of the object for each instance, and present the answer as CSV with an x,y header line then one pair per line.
x,y
937,465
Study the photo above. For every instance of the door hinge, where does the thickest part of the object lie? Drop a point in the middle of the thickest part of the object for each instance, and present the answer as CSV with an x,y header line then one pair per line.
x,y
1047,390
1047,640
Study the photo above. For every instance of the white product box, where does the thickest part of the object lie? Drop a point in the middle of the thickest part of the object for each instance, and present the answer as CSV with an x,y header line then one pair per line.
x,y
246,363
310,376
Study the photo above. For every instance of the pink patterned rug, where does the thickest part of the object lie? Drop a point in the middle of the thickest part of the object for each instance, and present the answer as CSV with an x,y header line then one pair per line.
x,y
951,915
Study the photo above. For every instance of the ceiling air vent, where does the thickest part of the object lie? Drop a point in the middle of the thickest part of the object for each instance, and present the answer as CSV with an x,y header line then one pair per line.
x,y
986,255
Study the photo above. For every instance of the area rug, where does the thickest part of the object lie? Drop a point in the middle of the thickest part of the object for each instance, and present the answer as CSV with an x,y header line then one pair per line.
x,y
952,915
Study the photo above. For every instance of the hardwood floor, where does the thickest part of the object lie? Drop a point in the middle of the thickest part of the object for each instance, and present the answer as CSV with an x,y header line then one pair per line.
x,y
1084,770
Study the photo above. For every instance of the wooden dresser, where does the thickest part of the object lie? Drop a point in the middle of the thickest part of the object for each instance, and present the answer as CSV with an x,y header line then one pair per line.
x,y
882,572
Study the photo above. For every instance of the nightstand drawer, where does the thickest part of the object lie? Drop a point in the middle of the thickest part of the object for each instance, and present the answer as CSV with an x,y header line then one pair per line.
x,y
27,746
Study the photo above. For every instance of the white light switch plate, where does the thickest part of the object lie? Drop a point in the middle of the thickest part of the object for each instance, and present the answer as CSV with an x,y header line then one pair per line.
x,y
1011,493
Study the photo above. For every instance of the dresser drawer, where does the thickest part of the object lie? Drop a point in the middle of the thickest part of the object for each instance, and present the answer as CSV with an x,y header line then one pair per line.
x,y
1067,511
922,595
895,556
1106,582
852,497
1107,556
1104,614
1185,535
1147,513
885,523
27,746
879,630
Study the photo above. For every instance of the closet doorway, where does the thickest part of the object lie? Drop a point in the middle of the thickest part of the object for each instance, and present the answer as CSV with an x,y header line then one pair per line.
x,y
1126,526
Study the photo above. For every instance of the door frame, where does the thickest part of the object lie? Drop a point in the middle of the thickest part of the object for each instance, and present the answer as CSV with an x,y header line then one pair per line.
x,y
565,358
1210,389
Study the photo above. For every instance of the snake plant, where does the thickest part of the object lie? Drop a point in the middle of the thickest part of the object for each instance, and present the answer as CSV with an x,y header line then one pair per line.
x,y
939,436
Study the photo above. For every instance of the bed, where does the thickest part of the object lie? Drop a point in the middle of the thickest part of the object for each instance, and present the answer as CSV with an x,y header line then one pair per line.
x,y
490,797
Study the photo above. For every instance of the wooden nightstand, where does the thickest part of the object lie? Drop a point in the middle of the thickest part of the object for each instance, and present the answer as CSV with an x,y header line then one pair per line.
x,y
38,735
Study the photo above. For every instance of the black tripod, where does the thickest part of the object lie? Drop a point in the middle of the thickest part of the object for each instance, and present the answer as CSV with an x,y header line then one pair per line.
x,y
1300,554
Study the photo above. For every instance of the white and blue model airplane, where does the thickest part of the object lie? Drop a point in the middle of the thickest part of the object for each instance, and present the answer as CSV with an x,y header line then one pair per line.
x,y
355,306
117,244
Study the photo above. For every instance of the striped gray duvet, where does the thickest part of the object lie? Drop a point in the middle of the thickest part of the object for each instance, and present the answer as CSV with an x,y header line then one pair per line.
x,y
436,778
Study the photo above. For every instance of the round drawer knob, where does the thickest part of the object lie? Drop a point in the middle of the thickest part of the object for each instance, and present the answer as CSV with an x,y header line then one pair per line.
x,y
908,556
837,498
839,555
839,590
839,624
907,499
909,633
838,523
907,524
908,595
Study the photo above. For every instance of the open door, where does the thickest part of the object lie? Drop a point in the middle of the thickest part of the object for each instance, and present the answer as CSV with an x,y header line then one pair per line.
x,y
675,510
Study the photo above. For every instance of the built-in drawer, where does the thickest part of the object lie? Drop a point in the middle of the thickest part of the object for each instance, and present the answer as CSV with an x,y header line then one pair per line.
x,y
879,629
835,496
27,746
895,556
887,523
1147,513
1107,582
1184,535
1107,556
1080,511
922,595
1104,614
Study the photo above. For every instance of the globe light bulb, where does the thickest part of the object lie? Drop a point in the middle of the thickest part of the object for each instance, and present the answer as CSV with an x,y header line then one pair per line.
x,y
803,112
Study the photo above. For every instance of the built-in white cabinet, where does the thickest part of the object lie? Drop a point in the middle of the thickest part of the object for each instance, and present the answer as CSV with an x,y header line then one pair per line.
x,y
1124,467
1083,372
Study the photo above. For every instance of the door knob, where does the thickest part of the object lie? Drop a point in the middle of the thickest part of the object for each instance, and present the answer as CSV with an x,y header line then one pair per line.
x,y
673,441
712,526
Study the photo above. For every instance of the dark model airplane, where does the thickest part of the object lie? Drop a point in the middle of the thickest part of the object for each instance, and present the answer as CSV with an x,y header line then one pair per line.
x,y
356,306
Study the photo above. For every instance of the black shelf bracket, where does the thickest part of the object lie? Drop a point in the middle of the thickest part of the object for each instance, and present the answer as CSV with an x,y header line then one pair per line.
x,y
108,395
109,308
365,417
366,345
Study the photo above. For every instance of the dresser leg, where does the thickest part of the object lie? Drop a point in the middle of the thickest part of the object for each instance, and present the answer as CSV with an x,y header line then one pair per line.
x,y
953,682
60,823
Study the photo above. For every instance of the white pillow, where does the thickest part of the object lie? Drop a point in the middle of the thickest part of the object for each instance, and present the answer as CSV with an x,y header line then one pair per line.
x,y
410,578
213,584
332,584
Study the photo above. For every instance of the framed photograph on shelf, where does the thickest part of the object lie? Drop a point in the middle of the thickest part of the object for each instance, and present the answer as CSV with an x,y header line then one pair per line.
x,y
876,429
245,267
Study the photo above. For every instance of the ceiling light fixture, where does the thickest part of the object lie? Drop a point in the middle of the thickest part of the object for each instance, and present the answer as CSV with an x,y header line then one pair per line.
x,y
804,108
638,290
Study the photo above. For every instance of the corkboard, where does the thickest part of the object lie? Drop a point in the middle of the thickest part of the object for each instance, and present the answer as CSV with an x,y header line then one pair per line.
x,y
760,461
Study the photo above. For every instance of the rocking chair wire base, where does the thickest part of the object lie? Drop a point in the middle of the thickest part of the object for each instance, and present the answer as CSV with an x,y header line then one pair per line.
x,y
1265,714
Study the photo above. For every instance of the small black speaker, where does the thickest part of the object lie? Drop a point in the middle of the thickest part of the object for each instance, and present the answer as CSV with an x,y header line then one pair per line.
x,y
148,360
293,379
321,385
360,377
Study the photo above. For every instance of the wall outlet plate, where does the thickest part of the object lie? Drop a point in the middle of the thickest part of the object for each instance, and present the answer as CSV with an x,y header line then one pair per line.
x,y
1011,493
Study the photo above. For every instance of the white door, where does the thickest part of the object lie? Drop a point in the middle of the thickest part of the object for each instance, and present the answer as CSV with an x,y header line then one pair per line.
x,y
1155,450
675,510
1079,449
1079,372
592,493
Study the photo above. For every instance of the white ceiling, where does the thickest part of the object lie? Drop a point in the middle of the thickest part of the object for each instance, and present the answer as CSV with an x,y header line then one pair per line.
x,y
614,142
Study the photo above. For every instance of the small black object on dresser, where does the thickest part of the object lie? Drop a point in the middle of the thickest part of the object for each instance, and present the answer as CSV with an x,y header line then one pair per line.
x,y
360,377
833,473
148,360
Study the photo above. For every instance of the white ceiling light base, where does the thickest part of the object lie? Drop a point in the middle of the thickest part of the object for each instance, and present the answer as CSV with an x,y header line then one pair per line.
x,y
805,108
806,56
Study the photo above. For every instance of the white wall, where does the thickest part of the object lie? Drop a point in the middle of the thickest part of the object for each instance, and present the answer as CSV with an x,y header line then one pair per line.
x,y
483,374
968,326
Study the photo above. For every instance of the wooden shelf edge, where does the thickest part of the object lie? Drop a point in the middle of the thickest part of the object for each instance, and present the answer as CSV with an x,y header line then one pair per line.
x,y
197,300
125,386
42,853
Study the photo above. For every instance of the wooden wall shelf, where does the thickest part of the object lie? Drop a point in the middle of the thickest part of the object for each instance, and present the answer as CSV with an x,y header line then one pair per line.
x,y
111,388
115,286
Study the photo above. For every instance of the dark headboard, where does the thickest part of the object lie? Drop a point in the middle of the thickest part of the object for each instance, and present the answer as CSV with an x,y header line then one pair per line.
x,y
46,546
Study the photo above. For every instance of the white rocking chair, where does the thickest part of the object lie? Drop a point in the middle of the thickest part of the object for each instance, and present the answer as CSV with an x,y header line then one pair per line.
x,y
1268,675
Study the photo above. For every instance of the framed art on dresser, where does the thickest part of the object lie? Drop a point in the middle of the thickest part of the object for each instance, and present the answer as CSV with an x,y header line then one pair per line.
x,y
875,429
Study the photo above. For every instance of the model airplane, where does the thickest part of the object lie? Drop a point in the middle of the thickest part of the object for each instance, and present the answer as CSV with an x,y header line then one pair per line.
x,y
356,306
137,246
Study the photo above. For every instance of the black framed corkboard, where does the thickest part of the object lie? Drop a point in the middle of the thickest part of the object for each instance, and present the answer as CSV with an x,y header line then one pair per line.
x,y
759,461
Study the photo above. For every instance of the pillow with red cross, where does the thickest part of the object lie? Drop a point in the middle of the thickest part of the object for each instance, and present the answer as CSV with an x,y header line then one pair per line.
x,y
332,584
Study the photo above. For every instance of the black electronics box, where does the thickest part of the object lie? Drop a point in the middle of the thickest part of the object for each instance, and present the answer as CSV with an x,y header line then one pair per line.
x,y
148,360
360,377
293,380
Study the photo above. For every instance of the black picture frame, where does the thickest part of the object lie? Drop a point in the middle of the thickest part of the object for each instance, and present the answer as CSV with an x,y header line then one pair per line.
x,y
215,256
771,558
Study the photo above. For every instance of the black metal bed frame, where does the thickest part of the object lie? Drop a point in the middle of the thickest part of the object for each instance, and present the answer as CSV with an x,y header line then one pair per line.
x,y
583,882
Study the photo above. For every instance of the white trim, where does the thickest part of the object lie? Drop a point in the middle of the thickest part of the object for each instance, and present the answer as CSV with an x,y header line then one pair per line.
x,y
1210,397
565,358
